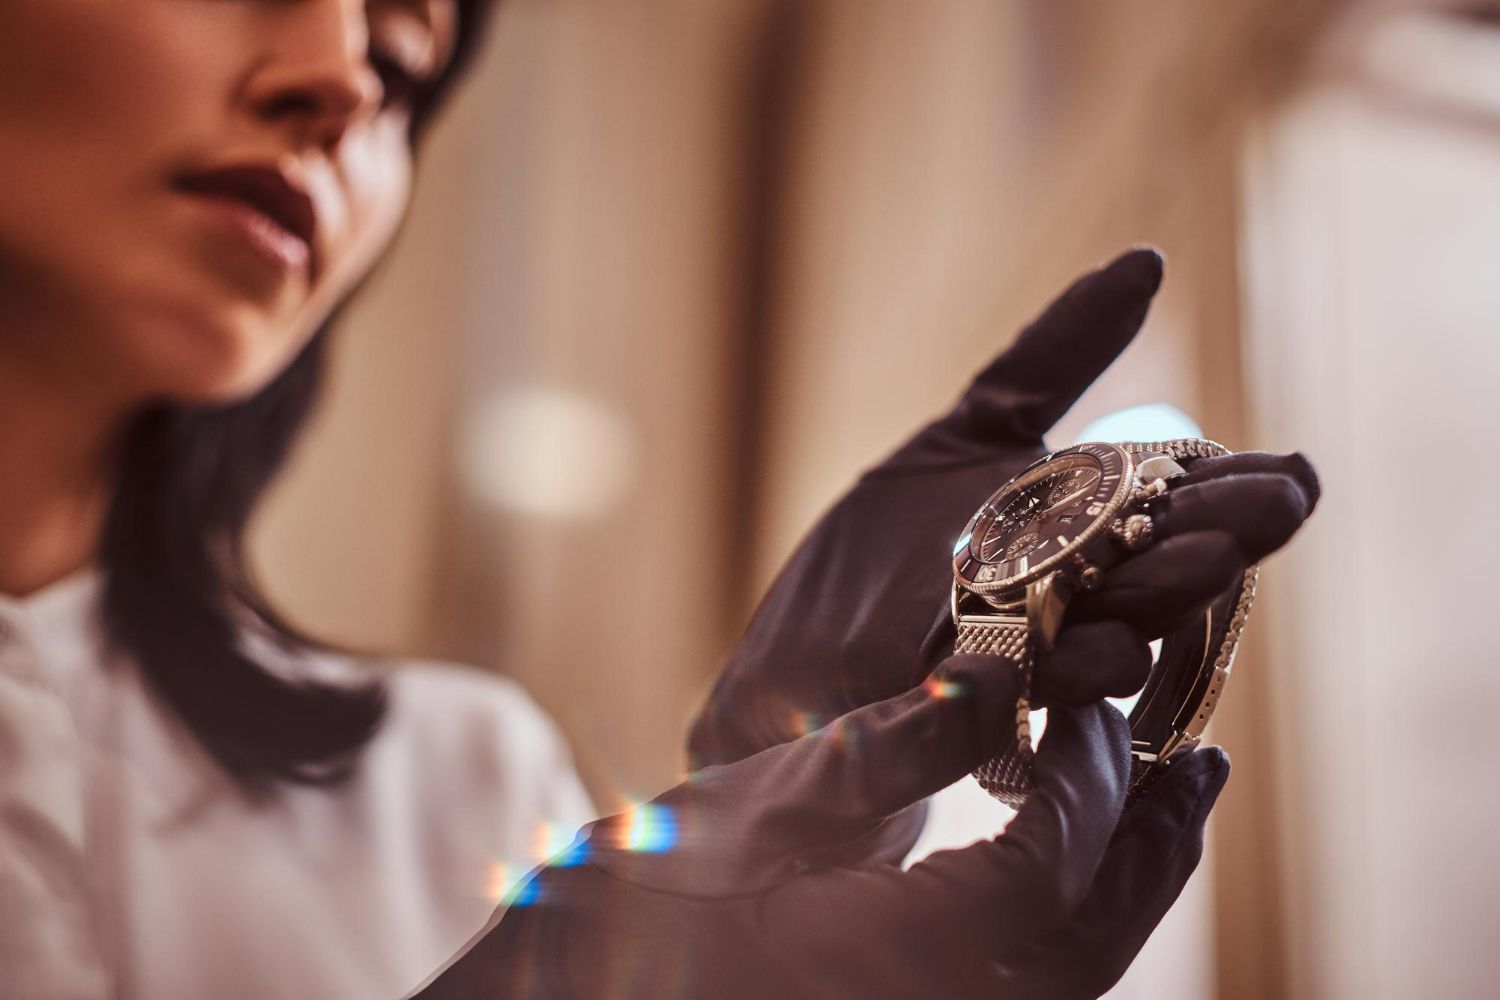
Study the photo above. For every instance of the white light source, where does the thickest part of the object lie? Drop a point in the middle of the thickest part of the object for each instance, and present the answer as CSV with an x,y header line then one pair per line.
x,y
549,453
1148,422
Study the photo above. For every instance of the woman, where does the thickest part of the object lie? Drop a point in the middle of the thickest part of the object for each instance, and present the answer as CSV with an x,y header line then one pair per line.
x,y
162,342
196,800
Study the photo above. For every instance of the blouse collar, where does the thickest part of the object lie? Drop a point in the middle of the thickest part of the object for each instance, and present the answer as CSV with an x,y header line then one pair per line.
x,y
61,621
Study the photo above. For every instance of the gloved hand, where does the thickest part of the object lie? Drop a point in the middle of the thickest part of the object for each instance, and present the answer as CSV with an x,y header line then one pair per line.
x,y
780,882
734,903
860,611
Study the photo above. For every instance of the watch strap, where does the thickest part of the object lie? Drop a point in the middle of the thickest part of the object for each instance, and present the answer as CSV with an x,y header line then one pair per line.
x,y
1007,775
1176,448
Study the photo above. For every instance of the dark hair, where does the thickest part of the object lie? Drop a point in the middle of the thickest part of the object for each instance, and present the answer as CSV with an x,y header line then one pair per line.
x,y
473,25
179,593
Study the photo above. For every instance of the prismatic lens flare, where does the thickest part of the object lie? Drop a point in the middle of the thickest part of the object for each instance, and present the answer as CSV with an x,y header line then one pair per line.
x,y
507,885
806,722
650,829
845,734
551,845
940,688
549,841
526,892
574,854
497,881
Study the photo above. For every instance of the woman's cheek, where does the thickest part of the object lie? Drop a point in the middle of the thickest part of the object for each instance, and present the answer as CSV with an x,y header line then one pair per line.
x,y
371,183
377,170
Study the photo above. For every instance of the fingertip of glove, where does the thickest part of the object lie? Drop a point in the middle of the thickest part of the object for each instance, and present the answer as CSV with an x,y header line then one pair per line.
x,y
1307,477
1092,660
1198,775
1142,265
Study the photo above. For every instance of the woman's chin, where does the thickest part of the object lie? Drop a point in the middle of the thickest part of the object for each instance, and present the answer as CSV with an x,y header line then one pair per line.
x,y
203,359
220,386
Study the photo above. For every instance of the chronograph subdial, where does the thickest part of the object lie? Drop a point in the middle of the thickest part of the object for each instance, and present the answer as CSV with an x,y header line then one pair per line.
x,y
1024,545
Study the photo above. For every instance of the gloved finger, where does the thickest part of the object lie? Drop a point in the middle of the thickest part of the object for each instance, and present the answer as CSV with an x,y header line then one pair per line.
x,y
1103,659
1032,877
1261,510
747,825
1165,587
1024,391
1296,465
1155,850
883,757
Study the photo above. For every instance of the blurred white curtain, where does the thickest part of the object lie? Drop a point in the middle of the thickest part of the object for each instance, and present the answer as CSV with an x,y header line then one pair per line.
x,y
1373,258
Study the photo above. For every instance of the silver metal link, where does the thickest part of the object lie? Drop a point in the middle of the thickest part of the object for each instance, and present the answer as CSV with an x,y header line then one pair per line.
x,y
1177,448
1007,775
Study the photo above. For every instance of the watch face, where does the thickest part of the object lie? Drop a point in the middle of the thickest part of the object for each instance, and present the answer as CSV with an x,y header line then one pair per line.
x,y
1043,515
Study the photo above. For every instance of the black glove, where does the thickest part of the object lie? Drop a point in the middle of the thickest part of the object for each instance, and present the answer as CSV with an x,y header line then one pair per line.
x,y
844,623
733,903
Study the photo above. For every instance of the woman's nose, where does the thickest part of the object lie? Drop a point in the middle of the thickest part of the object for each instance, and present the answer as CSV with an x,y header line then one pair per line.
x,y
316,76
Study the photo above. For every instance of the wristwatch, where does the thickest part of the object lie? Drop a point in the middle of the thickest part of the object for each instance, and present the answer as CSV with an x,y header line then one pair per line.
x,y
1049,534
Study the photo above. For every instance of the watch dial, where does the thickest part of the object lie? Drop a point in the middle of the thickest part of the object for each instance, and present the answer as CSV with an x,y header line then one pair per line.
x,y
1039,515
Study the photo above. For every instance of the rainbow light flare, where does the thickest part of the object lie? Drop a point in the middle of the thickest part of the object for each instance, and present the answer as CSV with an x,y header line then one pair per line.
x,y
650,828
550,845
507,885
647,828
806,722
940,688
549,841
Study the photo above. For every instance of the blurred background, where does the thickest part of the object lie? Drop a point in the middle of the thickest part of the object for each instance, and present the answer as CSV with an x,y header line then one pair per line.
x,y
678,270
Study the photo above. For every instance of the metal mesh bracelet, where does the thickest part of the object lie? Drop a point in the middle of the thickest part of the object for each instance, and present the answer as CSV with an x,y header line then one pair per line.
x,y
1007,775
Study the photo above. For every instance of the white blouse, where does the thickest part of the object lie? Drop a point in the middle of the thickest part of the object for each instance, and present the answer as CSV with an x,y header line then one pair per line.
x,y
132,867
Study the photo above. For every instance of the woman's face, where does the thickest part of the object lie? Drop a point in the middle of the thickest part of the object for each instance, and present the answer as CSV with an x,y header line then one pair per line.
x,y
189,187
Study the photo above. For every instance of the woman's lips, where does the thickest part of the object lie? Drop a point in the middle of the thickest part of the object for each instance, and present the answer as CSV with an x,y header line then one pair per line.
x,y
264,207
261,232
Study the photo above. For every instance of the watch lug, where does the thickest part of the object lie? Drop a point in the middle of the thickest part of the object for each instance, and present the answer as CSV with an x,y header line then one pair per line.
x,y
965,605
1157,467
1046,603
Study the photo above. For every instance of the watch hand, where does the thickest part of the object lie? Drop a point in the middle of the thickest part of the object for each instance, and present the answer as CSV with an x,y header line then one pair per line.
x,y
1068,500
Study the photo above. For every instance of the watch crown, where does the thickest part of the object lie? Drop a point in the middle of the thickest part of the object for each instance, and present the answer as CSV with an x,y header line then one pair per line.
x,y
1134,532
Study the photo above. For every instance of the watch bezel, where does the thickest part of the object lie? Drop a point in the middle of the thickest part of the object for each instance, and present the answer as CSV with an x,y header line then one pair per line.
x,y
1116,463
